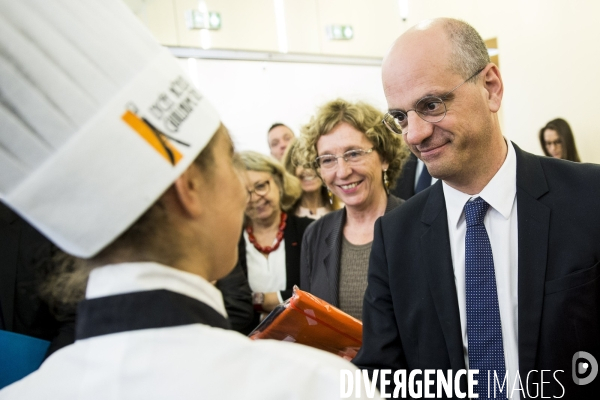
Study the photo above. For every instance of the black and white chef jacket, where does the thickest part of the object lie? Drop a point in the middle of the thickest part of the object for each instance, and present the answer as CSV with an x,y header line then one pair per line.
x,y
148,331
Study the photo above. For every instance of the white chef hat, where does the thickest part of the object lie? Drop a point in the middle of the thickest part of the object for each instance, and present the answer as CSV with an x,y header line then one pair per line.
x,y
96,119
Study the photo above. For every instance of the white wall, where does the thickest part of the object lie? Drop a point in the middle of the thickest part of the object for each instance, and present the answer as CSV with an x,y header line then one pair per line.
x,y
250,95
549,55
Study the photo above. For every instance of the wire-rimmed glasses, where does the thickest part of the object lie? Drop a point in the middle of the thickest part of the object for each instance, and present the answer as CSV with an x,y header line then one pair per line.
x,y
330,161
260,188
429,108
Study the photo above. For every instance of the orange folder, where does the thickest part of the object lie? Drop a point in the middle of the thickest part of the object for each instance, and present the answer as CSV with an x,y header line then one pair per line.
x,y
308,320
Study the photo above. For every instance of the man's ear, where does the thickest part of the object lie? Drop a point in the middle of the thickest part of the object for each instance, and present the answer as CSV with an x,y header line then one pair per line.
x,y
187,190
494,86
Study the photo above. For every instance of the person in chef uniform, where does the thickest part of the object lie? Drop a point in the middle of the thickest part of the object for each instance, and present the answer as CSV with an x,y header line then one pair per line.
x,y
110,152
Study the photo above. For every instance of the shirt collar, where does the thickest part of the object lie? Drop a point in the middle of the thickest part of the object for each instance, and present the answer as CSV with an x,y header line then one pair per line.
x,y
136,277
499,193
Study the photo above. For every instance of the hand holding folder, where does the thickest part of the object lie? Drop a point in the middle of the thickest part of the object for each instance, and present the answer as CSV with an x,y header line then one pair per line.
x,y
308,320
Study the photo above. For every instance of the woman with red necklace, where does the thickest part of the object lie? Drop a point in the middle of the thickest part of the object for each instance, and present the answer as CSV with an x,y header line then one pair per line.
x,y
269,261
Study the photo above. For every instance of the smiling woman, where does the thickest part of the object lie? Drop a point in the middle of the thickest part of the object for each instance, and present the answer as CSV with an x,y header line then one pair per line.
x,y
269,248
359,159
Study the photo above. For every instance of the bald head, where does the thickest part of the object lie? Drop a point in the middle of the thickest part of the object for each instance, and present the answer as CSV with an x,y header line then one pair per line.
x,y
444,93
455,45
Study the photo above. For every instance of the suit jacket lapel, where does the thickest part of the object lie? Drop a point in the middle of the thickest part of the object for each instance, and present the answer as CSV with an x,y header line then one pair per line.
x,y
533,226
9,253
440,273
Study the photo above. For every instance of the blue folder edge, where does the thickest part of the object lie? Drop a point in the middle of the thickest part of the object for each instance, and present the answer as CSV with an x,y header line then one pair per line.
x,y
20,355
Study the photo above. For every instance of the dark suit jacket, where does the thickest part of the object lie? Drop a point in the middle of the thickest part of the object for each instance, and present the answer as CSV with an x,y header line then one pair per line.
x,y
22,248
236,290
411,315
405,185
321,251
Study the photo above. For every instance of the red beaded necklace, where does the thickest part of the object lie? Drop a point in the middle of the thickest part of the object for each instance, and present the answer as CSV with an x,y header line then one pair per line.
x,y
279,237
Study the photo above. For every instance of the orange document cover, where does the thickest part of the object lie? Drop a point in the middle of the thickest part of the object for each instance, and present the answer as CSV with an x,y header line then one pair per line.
x,y
308,320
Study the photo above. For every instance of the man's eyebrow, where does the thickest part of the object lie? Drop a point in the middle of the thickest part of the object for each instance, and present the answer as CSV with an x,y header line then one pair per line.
x,y
444,96
447,96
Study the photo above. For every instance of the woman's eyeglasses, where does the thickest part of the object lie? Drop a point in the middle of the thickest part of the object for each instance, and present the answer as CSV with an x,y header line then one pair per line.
x,y
330,161
260,188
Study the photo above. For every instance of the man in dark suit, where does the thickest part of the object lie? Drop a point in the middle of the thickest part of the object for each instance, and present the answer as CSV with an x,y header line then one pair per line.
x,y
496,266
413,179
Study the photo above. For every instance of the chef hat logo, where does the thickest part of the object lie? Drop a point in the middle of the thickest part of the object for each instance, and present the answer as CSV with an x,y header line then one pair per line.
x,y
155,138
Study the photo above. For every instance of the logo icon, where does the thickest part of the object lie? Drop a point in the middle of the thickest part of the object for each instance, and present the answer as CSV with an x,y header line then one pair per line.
x,y
159,140
585,368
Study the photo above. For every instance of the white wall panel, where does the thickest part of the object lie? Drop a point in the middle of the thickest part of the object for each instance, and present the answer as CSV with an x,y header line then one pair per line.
x,y
250,96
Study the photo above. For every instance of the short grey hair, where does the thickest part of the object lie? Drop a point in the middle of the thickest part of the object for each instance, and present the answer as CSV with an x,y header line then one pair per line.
x,y
469,53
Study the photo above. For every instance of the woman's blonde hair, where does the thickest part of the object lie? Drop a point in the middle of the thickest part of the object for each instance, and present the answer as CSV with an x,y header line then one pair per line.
x,y
289,186
363,117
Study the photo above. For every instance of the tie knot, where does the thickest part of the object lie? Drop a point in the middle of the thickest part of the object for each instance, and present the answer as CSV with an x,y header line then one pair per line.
x,y
475,211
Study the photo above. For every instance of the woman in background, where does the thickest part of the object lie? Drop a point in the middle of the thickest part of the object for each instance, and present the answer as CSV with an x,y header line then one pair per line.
x,y
269,249
316,199
358,159
557,140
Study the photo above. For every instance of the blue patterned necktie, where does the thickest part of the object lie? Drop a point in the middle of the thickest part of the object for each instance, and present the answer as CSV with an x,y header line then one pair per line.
x,y
484,329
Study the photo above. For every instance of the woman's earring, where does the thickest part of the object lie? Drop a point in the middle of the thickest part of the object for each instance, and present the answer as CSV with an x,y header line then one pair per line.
x,y
330,195
386,183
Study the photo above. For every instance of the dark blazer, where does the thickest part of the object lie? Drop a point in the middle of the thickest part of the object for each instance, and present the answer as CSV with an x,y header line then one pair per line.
x,y
22,249
411,315
236,290
321,251
405,184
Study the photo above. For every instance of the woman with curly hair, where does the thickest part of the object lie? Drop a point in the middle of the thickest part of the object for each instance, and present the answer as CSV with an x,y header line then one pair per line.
x,y
358,159
269,248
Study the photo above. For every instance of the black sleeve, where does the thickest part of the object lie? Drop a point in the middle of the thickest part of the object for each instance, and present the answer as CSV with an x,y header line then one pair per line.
x,y
381,348
286,294
237,297
293,254
305,262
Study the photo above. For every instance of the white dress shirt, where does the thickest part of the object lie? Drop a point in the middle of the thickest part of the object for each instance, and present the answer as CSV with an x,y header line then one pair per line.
x,y
501,225
266,274
193,361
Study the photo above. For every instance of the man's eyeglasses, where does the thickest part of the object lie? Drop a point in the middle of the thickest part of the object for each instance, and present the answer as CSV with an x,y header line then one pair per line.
x,y
260,188
429,109
330,161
